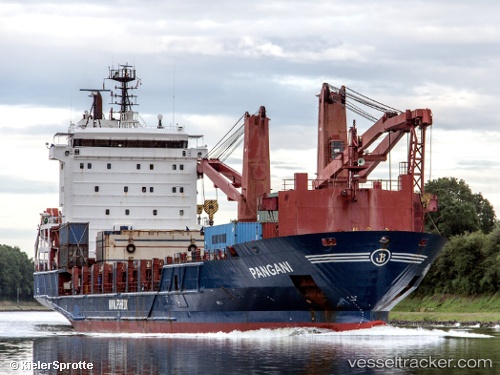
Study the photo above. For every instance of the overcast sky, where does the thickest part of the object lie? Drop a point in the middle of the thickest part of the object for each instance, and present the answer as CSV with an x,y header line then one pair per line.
x,y
229,57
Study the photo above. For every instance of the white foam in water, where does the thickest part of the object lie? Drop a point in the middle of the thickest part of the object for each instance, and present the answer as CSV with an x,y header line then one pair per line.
x,y
36,324
378,332
391,331
25,324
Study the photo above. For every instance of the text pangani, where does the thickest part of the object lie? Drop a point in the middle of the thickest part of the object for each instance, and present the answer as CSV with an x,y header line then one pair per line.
x,y
270,270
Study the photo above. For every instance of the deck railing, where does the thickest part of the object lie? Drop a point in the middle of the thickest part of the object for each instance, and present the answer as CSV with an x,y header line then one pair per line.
x,y
126,276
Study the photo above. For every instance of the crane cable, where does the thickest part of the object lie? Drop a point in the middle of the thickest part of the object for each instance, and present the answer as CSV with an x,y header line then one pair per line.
x,y
365,100
228,142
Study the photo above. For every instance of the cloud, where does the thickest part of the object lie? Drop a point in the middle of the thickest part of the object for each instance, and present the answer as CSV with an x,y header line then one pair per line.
x,y
20,186
475,164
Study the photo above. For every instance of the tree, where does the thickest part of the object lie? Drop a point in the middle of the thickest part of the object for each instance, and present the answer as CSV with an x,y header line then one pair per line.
x,y
490,282
460,268
485,212
470,261
460,211
16,274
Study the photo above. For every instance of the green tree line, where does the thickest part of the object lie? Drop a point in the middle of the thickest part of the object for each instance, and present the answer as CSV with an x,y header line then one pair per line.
x,y
469,263
16,274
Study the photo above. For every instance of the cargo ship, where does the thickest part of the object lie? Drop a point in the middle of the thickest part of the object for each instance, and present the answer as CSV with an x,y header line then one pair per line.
x,y
133,248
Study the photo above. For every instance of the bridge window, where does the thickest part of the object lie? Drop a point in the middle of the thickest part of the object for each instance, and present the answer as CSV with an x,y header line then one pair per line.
x,y
130,143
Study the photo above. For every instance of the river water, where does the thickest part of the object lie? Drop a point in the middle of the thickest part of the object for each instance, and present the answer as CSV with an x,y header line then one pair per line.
x,y
45,343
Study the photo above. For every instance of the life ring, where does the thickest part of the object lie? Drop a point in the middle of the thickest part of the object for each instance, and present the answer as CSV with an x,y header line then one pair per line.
x,y
192,247
130,248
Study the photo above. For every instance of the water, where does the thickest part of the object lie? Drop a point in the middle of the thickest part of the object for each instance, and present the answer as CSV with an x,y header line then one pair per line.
x,y
43,339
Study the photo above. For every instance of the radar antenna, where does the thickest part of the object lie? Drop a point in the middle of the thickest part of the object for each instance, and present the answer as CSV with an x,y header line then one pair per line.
x,y
124,74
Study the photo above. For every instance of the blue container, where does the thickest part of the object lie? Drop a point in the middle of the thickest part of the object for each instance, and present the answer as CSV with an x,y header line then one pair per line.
x,y
221,236
246,232
74,234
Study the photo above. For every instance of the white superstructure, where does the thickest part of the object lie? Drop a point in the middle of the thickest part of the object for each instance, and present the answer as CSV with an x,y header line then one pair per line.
x,y
117,172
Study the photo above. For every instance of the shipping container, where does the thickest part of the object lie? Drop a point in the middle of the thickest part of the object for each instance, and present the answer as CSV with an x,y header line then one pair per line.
x,y
246,232
73,255
74,234
146,244
222,236
270,230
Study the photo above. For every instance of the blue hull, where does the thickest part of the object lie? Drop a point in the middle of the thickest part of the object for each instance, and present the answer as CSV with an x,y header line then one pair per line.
x,y
341,280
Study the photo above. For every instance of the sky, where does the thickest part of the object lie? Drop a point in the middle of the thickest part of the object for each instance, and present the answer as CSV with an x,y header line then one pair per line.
x,y
204,63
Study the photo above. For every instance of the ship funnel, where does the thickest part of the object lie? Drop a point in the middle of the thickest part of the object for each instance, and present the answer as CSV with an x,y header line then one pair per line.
x,y
97,105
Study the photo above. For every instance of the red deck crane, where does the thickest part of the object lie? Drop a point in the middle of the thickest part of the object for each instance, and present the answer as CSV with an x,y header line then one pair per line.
x,y
255,180
336,202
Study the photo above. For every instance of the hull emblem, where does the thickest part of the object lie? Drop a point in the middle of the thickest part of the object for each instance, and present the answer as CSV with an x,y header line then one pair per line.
x,y
380,257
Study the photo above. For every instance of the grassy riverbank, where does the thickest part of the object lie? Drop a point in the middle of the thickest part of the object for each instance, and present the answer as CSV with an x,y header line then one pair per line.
x,y
21,306
448,309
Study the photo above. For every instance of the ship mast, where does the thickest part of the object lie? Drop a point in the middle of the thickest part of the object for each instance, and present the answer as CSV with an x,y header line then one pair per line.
x,y
124,74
